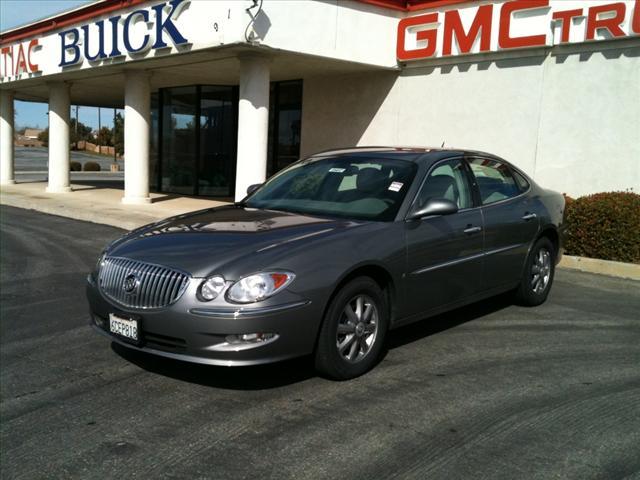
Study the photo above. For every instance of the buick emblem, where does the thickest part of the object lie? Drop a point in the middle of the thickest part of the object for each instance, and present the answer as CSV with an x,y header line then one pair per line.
x,y
130,283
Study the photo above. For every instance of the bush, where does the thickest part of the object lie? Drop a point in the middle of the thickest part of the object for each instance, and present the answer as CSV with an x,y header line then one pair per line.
x,y
91,167
75,166
605,226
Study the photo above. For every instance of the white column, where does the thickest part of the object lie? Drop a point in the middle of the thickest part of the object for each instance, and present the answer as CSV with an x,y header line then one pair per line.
x,y
253,123
6,138
137,102
59,146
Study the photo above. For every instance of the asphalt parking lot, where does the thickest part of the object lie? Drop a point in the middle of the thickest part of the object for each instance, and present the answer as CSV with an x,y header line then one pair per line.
x,y
31,164
491,391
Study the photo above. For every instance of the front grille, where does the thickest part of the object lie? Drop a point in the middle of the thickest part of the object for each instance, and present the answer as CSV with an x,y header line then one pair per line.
x,y
155,286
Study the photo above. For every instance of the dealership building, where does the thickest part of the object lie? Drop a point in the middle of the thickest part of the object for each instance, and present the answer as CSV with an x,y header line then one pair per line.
x,y
220,94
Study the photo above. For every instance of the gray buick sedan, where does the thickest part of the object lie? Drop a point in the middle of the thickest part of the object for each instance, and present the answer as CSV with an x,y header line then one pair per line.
x,y
327,256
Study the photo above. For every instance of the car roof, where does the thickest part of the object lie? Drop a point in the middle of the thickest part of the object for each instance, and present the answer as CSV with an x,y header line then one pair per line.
x,y
406,153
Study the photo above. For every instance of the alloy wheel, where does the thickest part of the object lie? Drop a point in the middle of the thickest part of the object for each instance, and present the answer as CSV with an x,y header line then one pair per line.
x,y
541,271
357,328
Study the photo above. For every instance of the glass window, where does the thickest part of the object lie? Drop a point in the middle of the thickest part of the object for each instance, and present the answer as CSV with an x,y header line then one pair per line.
x,y
154,140
179,140
449,181
522,182
216,170
494,180
350,187
285,114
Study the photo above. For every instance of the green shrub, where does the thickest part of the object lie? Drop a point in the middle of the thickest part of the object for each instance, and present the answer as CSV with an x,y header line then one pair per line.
x,y
91,167
75,166
605,226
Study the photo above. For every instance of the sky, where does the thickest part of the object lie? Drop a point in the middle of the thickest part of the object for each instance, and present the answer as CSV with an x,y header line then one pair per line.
x,y
14,13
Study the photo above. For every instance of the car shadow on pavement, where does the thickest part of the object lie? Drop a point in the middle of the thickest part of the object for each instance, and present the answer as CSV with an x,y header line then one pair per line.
x,y
292,371
258,377
445,321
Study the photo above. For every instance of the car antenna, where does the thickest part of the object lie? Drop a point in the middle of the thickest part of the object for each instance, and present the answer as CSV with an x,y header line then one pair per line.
x,y
442,146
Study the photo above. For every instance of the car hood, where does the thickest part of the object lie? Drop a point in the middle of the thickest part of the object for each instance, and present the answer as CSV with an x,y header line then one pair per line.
x,y
201,242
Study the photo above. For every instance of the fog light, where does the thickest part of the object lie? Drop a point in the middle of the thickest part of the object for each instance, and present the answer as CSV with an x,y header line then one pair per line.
x,y
249,338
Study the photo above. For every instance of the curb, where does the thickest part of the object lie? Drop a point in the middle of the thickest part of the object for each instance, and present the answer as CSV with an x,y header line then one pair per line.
x,y
79,213
601,267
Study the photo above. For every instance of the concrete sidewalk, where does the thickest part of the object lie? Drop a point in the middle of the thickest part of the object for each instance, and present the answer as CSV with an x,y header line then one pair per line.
x,y
100,205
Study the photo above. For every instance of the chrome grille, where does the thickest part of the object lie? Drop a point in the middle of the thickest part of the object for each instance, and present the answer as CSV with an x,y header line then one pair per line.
x,y
155,286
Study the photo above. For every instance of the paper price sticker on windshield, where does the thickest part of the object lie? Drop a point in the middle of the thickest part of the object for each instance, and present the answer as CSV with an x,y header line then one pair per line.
x,y
395,186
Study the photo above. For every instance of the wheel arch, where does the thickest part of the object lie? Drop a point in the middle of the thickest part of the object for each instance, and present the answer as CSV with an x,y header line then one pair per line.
x,y
377,273
551,233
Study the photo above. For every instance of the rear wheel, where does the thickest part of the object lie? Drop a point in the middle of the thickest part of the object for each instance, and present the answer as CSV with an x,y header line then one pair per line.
x,y
353,331
538,274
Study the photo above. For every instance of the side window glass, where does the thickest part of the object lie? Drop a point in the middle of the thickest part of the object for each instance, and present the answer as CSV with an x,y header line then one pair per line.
x,y
448,180
522,182
494,180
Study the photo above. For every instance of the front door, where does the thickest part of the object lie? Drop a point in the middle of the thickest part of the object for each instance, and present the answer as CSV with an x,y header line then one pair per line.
x,y
445,252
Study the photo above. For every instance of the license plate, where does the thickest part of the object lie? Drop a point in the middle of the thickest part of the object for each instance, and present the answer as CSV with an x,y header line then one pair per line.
x,y
123,327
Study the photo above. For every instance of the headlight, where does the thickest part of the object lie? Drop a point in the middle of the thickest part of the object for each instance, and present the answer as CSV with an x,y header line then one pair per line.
x,y
100,260
259,286
211,288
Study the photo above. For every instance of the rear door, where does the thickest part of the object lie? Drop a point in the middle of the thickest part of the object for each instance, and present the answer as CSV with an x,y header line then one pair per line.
x,y
444,252
510,224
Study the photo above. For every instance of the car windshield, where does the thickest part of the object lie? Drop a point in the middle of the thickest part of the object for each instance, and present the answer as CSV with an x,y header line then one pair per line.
x,y
354,187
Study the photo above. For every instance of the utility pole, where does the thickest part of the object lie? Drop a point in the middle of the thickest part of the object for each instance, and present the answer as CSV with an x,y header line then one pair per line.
x,y
115,154
77,139
99,128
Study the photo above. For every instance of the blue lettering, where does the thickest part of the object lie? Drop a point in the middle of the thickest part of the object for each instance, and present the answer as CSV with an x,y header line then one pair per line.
x,y
127,42
167,25
69,46
115,51
100,54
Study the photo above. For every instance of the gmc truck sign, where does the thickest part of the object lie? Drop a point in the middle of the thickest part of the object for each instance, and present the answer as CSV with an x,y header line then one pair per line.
x,y
514,24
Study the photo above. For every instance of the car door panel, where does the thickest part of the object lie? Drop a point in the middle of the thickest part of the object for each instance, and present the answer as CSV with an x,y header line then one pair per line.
x,y
444,252
445,263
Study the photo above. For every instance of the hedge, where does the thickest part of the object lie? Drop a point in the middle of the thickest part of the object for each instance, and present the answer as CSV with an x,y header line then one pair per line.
x,y
605,226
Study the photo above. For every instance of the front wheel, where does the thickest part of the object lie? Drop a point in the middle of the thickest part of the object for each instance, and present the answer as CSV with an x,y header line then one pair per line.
x,y
538,274
353,331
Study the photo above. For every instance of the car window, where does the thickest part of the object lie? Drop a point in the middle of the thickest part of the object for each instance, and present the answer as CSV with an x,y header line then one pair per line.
x,y
522,182
351,187
449,181
494,180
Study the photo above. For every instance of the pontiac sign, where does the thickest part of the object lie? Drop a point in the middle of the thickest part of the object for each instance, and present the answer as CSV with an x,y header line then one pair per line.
x,y
121,37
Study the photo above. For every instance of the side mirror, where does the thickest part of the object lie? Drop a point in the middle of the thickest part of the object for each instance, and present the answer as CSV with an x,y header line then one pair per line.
x,y
253,188
435,206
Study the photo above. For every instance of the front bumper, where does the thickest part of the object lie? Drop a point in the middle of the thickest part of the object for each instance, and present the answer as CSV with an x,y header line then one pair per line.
x,y
198,332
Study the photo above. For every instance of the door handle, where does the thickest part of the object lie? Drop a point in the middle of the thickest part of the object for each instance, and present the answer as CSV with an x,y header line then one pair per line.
x,y
471,229
529,216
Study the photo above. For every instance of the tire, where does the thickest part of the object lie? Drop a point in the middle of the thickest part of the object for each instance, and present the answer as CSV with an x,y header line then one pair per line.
x,y
534,288
360,311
